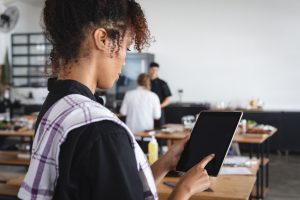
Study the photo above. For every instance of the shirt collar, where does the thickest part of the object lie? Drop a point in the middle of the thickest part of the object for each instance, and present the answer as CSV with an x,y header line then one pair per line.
x,y
141,88
75,87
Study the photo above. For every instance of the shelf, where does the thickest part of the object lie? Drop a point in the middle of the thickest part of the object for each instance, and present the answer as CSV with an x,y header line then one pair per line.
x,y
17,181
11,158
28,66
31,44
29,76
10,182
30,52
6,177
30,86
28,55
21,34
20,133
8,190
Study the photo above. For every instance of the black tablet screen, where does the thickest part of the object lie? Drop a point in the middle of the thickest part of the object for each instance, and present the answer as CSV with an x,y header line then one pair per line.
x,y
212,133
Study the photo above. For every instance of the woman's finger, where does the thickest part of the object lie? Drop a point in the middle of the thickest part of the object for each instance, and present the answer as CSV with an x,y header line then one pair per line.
x,y
206,160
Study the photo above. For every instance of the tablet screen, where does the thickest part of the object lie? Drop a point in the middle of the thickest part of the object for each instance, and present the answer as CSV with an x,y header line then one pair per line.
x,y
212,133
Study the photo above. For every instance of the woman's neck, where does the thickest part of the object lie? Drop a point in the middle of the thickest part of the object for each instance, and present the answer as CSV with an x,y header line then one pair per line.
x,y
80,71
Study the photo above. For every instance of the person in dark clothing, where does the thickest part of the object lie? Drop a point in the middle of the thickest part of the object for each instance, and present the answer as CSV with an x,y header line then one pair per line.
x,y
161,88
81,150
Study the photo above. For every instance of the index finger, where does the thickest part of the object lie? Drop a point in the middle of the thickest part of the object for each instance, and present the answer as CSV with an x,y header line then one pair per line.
x,y
187,137
206,160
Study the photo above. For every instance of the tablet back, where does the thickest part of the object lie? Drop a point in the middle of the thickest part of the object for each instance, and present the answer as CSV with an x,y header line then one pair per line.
x,y
212,133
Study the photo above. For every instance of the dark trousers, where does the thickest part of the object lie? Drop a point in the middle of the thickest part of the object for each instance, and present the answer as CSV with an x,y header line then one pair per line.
x,y
158,123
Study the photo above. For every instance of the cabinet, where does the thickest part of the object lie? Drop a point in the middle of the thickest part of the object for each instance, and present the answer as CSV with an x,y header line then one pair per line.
x,y
175,111
135,64
287,138
30,53
271,118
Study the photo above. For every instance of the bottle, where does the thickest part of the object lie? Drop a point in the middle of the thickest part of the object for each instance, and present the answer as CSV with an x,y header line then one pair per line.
x,y
152,150
244,126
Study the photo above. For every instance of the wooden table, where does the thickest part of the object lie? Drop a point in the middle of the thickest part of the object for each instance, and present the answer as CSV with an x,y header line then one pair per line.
x,y
225,187
253,169
253,138
177,134
8,190
11,157
7,176
20,133
260,140
10,183
262,153
16,181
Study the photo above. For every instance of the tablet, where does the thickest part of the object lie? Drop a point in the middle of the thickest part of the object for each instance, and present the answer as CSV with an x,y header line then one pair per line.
x,y
213,133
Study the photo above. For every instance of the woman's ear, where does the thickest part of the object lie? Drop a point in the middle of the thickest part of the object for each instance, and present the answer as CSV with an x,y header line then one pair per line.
x,y
100,38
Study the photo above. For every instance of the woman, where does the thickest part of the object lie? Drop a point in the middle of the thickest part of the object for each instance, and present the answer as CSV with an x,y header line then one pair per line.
x,y
81,150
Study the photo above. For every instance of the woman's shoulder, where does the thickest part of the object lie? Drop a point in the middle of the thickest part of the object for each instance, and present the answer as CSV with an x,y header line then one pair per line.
x,y
102,134
100,131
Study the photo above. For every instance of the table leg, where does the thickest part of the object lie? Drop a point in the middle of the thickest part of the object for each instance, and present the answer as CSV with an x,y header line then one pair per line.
x,y
257,184
262,169
251,151
169,143
267,166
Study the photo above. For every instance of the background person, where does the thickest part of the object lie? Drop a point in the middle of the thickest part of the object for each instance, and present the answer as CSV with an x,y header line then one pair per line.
x,y
81,150
161,88
141,106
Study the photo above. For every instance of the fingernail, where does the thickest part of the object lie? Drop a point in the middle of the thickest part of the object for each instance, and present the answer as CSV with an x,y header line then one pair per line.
x,y
212,155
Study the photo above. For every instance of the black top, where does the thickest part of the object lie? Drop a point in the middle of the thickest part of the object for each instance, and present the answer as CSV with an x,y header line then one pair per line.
x,y
161,88
96,161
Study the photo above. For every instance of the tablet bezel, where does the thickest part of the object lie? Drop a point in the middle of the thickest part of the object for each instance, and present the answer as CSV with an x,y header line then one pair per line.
x,y
240,117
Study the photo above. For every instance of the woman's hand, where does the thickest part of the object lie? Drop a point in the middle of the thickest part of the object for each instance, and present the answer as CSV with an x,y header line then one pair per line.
x,y
194,181
174,153
168,161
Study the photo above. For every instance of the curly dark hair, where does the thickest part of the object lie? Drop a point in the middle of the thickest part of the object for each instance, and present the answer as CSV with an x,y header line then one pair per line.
x,y
67,22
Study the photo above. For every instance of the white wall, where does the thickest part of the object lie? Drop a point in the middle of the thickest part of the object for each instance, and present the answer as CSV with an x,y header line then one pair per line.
x,y
30,18
228,50
29,21
2,40
218,50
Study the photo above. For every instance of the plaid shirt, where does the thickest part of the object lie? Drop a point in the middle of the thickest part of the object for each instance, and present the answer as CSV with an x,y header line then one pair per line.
x,y
69,113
